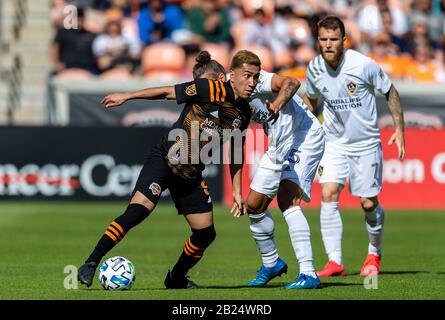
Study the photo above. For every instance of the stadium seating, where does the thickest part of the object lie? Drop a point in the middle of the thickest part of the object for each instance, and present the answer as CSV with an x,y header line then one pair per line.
x,y
74,74
268,6
283,59
117,74
219,52
300,31
163,61
237,32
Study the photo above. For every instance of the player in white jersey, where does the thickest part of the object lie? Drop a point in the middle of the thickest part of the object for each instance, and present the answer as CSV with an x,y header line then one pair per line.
x,y
345,81
288,168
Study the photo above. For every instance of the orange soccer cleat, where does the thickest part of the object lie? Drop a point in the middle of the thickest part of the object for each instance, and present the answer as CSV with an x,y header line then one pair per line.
x,y
371,266
332,269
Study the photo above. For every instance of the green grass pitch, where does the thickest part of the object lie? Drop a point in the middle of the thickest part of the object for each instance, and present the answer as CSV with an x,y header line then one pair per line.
x,y
38,239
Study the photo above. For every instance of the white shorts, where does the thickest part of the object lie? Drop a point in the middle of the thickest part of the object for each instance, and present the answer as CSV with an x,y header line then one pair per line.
x,y
364,171
300,165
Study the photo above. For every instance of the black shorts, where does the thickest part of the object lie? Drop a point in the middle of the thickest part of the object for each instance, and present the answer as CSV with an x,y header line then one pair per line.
x,y
189,196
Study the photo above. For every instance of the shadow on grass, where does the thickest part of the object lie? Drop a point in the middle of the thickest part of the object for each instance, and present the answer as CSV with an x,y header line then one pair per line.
x,y
274,285
338,284
392,272
129,291
269,286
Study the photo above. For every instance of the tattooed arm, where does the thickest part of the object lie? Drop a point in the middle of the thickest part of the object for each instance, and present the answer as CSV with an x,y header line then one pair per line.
x,y
395,106
286,88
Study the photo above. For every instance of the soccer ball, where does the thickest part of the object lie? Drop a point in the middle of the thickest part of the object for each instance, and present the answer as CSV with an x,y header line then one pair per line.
x,y
117,273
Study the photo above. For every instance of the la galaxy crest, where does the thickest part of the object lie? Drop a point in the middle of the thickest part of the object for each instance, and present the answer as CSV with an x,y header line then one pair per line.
x,y
351,86
261,78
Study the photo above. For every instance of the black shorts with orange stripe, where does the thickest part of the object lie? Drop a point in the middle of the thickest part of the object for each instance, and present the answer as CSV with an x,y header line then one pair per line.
x,y
189,195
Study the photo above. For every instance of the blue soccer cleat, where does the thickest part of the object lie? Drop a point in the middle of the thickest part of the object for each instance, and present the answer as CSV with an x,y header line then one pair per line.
x,y
304,281
266,274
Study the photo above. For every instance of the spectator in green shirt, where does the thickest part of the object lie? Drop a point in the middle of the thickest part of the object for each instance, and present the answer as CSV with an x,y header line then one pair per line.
x,y
210,22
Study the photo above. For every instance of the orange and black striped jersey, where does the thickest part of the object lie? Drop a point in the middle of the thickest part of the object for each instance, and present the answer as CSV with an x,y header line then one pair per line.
x,y
204,91
210,108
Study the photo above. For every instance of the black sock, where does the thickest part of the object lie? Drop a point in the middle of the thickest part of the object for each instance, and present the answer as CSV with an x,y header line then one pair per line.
x,y
133,215
104,245
193,251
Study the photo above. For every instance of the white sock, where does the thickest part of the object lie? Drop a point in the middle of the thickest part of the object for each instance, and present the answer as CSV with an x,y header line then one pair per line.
x,y
374,224
300,236
262,228
331,230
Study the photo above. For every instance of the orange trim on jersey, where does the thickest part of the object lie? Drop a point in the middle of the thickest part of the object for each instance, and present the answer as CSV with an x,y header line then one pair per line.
x,y
212,97
205,188
115,232
223,91
118,227
108,233
217,90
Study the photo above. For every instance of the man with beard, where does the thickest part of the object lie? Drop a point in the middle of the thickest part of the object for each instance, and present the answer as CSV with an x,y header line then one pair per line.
x,y
345,81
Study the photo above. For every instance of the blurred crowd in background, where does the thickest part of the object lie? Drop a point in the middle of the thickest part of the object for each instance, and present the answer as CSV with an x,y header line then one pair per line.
x,y
159,39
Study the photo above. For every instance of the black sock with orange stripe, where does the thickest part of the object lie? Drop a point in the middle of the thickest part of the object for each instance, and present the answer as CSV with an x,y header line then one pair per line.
x,y
193,251
133,215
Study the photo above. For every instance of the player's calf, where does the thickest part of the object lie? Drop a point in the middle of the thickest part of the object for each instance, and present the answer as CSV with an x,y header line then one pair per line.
x,y
192,253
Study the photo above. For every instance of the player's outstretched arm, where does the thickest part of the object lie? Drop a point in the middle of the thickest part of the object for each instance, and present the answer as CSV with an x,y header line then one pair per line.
x,y
158,93
395,106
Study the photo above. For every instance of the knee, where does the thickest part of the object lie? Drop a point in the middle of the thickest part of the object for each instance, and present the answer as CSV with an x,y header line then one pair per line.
x,y
368,204
254,207
141,199
204,237
329,194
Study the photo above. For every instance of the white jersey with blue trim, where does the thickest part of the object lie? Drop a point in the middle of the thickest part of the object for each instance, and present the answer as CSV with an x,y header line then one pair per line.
x,y
293,119
349,104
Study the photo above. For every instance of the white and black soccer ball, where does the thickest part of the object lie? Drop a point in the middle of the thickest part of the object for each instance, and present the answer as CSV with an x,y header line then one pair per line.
x,y
117,273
